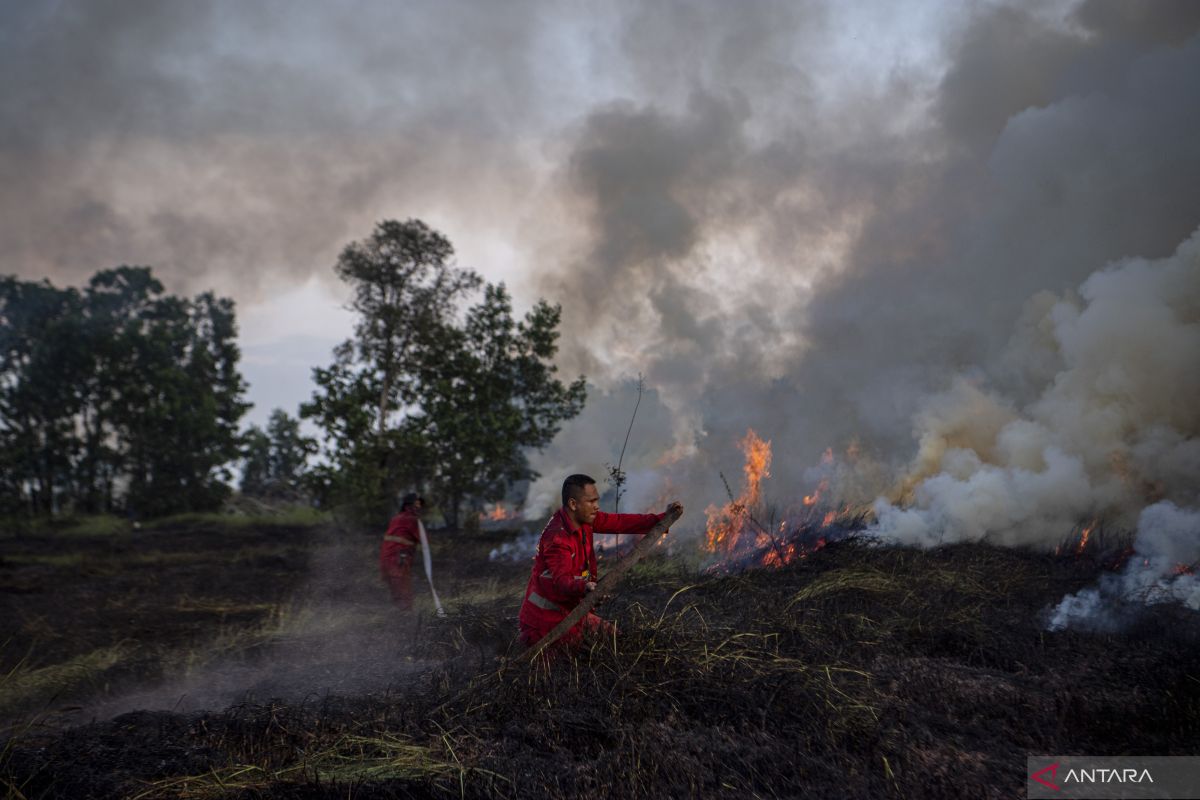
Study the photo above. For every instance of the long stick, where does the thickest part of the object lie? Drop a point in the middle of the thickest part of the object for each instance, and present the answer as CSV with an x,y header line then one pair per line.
x,y
605,585
618,473
441,612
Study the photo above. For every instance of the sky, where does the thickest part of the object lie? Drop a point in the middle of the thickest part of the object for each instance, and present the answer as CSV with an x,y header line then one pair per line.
x,y
238,147
870,225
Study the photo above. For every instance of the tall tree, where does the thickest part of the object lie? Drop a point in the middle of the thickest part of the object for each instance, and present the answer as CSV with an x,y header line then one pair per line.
x,y
120,303
430,394
403,285
43,360
362,466
181,430
490,393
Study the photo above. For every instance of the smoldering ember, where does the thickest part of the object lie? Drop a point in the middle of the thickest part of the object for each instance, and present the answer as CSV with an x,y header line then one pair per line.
x,y
699,399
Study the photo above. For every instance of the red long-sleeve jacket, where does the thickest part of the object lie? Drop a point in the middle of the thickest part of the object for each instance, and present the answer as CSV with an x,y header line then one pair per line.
x,y
401,539
565,561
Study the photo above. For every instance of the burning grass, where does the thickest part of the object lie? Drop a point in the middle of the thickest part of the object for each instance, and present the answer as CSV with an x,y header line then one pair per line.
x,y
748,532
856,671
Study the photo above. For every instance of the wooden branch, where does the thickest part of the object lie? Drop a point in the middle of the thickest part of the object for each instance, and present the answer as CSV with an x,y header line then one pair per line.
x,y
603,587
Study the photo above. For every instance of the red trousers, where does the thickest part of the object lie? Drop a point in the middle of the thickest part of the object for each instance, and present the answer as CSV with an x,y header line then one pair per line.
x,y
398,577
591,625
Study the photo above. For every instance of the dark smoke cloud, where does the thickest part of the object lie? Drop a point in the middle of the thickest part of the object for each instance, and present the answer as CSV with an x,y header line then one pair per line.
x,y
235,146
1160,22
784,217
819,268
937,280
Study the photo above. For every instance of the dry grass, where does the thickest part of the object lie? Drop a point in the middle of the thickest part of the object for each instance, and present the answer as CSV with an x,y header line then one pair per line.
x,y
22,687
351,759
857,672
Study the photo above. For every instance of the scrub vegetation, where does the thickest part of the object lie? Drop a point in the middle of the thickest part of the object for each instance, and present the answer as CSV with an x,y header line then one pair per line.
x,y
858,671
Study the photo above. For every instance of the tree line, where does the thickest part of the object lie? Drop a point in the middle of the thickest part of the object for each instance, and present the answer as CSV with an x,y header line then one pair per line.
x,y
116,396
120,398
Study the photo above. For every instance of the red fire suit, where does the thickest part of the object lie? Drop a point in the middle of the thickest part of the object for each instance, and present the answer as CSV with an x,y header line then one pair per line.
x,y
565,561
396,557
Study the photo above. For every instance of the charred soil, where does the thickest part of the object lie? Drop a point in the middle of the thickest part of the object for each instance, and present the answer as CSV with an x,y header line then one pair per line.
x,y
859,671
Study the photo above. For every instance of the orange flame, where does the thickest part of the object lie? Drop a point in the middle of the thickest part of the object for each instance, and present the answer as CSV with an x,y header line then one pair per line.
x,y
726,524
812,499
757,467
1084,536
778,558
734,533
499,513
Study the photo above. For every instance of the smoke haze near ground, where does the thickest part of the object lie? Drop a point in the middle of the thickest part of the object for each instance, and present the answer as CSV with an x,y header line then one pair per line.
x,y
960,236
337,635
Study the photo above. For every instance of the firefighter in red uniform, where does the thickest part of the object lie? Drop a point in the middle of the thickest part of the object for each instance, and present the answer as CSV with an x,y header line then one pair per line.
x,y
564,569
399,544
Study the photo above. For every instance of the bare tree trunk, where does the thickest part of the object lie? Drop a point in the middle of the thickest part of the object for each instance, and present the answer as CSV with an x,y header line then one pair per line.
x,y
383,400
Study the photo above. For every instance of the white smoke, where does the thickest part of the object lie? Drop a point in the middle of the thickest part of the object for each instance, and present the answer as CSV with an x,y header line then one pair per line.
x,y
1113,424
520,548
1108,427
1161,570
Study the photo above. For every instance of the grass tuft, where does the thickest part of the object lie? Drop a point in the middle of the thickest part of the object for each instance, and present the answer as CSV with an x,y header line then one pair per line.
x,y
22,688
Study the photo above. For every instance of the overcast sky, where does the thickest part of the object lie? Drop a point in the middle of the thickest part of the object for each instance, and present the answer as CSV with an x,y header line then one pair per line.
x,y
803,217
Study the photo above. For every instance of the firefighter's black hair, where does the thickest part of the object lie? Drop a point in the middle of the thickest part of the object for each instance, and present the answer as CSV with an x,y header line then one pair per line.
x,y
573,485
409,500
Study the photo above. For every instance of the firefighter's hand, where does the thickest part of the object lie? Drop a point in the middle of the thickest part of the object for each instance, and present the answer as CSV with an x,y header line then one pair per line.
x,y
676,506
590,588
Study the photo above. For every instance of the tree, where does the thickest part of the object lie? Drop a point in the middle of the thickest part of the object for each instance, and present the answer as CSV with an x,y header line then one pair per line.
x,y
404,289
119,303
490,394
116,398
403,286
177,423
276,459
429,394
43,359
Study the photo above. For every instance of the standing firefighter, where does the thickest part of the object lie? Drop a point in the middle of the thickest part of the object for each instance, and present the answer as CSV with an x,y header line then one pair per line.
x,y
564,569
399,544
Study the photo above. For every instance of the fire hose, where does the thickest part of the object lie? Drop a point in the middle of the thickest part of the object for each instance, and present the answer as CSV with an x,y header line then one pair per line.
x,y
429,568
604,586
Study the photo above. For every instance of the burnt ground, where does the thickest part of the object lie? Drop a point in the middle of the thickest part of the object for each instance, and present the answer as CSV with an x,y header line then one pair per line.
x,y
859,671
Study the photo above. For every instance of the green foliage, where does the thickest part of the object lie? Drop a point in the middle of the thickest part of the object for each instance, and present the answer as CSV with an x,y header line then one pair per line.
x,y
431,395
116,398
489,395
288,517
276,460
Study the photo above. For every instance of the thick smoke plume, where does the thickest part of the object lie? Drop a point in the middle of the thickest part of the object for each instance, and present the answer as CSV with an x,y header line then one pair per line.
x,y
944,236
908,267
1115,427
238,148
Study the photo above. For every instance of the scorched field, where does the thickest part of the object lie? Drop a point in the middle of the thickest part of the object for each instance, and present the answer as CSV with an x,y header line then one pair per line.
x,y
259,658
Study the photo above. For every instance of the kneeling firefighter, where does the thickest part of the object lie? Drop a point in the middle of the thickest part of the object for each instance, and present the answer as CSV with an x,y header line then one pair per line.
x,y
564,569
